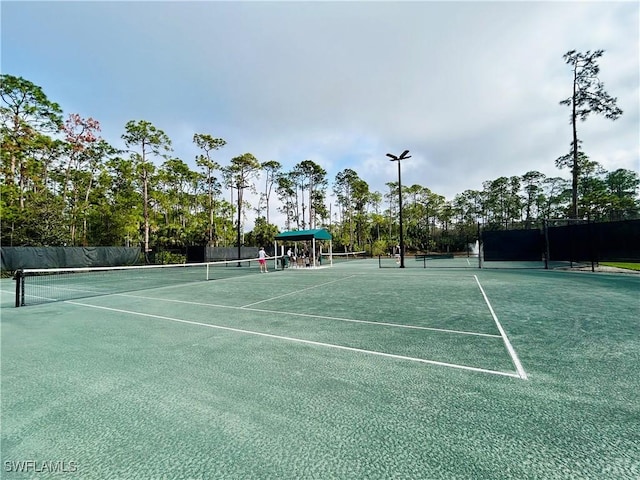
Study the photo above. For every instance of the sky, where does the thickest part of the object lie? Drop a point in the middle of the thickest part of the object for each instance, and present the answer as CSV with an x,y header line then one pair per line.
x,y
471,89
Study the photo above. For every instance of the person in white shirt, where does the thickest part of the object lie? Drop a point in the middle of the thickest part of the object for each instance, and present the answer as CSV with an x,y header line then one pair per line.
x,y
262,260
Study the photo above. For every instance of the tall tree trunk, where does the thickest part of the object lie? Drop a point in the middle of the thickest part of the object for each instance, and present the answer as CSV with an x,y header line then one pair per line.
x,y
574,169
145,202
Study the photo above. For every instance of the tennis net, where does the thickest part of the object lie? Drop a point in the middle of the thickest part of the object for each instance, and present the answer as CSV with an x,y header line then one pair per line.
x,y
337,257
428,260
37,286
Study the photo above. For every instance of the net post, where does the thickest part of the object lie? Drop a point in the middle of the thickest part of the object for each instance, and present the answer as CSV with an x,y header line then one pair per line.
x,y
18,277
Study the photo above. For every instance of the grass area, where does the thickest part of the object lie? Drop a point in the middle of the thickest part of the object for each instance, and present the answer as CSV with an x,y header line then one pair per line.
x,y
627,265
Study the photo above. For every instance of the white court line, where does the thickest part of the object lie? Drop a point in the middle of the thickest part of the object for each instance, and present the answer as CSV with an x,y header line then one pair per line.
x,y
41,297
299,340
514,357
297,291
309,315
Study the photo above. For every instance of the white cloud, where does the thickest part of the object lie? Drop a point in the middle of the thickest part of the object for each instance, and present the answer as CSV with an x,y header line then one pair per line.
x,y
471,88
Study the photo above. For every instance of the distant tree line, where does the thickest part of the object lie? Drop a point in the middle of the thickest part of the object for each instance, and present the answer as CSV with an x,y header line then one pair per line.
x,y
62,184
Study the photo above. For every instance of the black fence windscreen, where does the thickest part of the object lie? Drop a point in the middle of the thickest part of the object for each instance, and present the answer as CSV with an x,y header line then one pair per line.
x,y
597,242
15,258
512,245
565,242
571,243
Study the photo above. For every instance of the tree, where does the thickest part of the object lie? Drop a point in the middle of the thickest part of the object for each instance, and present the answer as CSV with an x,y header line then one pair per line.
x,y
287,194
151,142
25,111
263,233
592,189
94,159
208,143
556,195
176,199
48,227
434,204
446,217
83,159
392,197
588,96
27,116
272,171
312,177
416,214
343,188
118,205
375,200
502,201
532,187
469,206
33,189
497,200
360,196
239,175
623,189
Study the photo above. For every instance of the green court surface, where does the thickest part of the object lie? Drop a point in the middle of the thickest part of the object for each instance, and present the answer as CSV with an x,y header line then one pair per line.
x,y
347,372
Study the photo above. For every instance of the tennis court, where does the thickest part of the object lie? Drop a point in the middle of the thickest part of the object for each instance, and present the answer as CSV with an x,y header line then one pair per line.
x,y
351,371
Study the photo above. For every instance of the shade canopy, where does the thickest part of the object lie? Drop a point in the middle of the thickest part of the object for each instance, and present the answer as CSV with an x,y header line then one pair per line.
x,y
299,235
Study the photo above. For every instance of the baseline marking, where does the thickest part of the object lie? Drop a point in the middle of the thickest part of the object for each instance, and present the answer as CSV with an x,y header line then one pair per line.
x,y
514,357
299,340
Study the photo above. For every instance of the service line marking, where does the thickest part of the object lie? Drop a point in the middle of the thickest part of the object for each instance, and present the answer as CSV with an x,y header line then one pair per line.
x,y
309,315
300,340
297,291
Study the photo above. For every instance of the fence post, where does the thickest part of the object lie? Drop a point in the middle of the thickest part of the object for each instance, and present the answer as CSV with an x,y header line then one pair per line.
x,y
480,247
591,246
545,227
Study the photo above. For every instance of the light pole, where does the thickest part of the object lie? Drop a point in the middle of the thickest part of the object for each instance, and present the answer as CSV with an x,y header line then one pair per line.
x,y
397,159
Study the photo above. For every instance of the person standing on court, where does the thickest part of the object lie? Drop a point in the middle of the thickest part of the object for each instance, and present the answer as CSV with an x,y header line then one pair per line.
x,y
262,260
